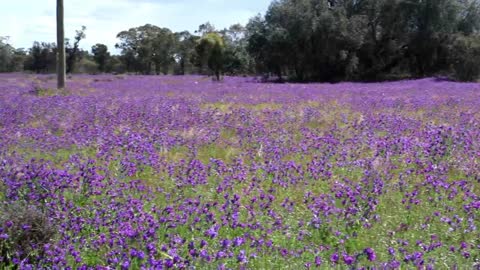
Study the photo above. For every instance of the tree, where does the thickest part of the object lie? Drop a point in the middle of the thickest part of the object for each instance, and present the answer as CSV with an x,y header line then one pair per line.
x,y
42,58
469,21
61,47
236,58
359,39
185,50
147,47
17,61
305,39
385,44
430,24
74,53
6,54
163,50
205,28
466,58
210,48
257,43
101,56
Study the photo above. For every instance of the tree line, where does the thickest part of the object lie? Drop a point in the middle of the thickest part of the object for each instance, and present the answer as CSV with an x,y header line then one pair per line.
x,y
302,40
335,40
146,49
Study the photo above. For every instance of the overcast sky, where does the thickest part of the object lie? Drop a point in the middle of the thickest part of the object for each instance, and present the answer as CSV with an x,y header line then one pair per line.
x,y
26,21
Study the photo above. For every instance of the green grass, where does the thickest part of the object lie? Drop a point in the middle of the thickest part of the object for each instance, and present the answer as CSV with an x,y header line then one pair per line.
x,y
225,153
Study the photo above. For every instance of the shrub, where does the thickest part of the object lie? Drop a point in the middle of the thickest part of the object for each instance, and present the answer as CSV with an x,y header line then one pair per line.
x,y
466,58
87,66
24,230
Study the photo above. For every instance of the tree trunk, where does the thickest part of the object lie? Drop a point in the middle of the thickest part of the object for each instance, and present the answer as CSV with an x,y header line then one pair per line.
x,y
61,46
182,66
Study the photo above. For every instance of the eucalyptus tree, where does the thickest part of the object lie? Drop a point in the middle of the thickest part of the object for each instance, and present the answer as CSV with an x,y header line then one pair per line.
x,y
147,48
101,56
305,39
360,39
185,50
163,50
211,49
42,58
73,52
6,54
236,58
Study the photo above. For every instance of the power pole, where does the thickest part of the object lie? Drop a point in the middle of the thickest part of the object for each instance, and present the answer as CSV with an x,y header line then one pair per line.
x,y
61,71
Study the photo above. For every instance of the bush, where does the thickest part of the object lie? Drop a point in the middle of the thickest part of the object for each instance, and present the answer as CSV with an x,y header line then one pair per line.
x,y
115,66
87,66
466,58
24,230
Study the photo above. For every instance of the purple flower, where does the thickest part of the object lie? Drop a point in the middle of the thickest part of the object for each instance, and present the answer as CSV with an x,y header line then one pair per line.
x,y
334,257
204,254
238,241
226,243
394,264
241,257
212,232
318,261
220,254
169,263
349,260
370,254
126,265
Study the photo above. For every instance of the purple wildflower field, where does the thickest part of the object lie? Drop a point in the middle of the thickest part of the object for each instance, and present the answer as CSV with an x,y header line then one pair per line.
x,y
158,172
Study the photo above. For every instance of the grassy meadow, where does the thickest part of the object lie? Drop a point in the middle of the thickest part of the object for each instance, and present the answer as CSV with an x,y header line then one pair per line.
x,y
159,172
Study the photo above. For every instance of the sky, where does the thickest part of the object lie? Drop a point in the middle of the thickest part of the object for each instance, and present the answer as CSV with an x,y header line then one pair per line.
x,y
26,21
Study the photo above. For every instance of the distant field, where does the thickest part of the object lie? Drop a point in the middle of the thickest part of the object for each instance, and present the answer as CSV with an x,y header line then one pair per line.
x,y
133,172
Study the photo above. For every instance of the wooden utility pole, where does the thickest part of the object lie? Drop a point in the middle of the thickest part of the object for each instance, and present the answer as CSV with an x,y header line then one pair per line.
x,y
61,71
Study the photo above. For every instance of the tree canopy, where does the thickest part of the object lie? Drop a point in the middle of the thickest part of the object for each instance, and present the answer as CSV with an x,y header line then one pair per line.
x,y
302,40
360,39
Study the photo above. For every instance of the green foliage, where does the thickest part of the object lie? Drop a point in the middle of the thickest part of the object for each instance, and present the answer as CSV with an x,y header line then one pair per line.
x,y
87,66
236,58
150,49
6,54
115,65
147,48
369,40
466,58
211,49
163,46
101,56
205,28
469,17
11,59
74,53
41,58
303,40
185,52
